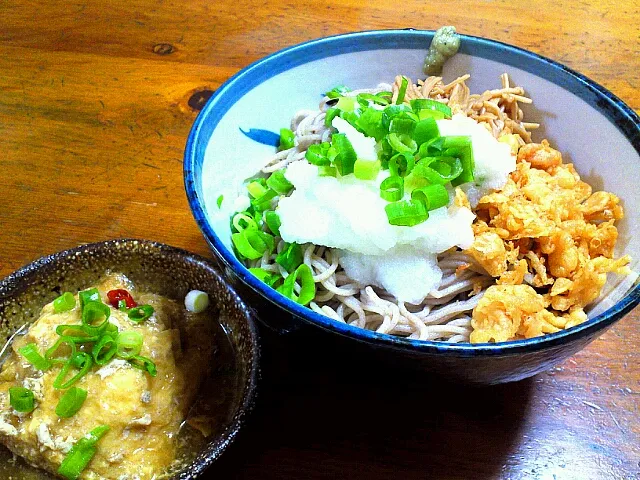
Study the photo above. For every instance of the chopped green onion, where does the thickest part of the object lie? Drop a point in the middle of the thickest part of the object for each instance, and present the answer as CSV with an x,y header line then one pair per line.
x,y
256,189
80,360
81,453
144,363
346,104
304,277
428,108
327,171
196,301
402,91
402,125
90,295
272,219
401,164
269,278
77,333
252,244
122,305
392,111
242,221
128,344
95,311
337,91
425,130
405,213
370,122
330,115
278,183
64,302
287,139
392,189
432,169
264,202
140,313
104,349
433,196
346,158
50,353
366,169
402,143
31,353
21,399
290,257
317,154
70,402
219,201
368,98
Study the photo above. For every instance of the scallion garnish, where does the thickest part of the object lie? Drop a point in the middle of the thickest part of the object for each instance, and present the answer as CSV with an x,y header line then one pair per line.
x,y
366,169
337,91
401,164
104,349
278,183
432,196
81,361
406,213
290,257
256,188
241,221
64,303
402,90
328,171
140,313
272,220
93,312
31,353
70,402
427,108
128,344
219,201
81,453
392,188
196,301
346,158
90,295
287,139
271,279
402,143
61,351
304,278
144,363
21,399
253,243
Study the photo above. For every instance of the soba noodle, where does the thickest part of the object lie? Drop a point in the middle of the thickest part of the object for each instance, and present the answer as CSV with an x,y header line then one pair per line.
x,y
445,314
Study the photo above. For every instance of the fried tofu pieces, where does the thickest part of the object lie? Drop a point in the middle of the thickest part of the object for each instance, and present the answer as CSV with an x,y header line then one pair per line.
x,y
549,242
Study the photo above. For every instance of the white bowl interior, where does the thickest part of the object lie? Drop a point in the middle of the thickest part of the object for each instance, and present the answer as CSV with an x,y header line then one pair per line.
x,y
601,153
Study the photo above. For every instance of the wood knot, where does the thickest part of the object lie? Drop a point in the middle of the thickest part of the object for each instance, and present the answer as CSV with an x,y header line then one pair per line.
x,y
163,48
198,100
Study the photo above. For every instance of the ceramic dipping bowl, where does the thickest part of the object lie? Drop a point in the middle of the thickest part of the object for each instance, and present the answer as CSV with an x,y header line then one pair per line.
x,y
595,130
163,270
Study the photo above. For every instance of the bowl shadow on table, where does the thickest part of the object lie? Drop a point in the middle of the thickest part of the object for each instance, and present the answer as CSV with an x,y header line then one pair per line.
x,y
326,411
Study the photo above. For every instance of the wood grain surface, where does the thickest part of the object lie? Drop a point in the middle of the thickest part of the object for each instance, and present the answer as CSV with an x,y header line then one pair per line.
x,y
96,102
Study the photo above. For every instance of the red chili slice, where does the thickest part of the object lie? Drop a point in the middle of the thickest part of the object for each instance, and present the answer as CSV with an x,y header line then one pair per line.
x,y
116,296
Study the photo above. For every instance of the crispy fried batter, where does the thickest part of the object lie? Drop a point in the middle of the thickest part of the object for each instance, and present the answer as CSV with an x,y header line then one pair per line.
x,y
544,229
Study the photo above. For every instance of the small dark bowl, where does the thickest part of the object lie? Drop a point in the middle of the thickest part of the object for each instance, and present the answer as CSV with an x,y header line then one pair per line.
x,y
240,122
157,268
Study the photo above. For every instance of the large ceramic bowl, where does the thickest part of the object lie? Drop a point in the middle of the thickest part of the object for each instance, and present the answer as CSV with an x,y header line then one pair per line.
x,y
170,272
594,129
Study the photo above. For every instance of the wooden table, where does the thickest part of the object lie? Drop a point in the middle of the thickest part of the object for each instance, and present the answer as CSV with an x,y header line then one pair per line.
x,y
96,101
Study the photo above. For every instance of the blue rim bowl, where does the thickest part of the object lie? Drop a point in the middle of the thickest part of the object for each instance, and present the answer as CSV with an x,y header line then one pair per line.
x,y
606,103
